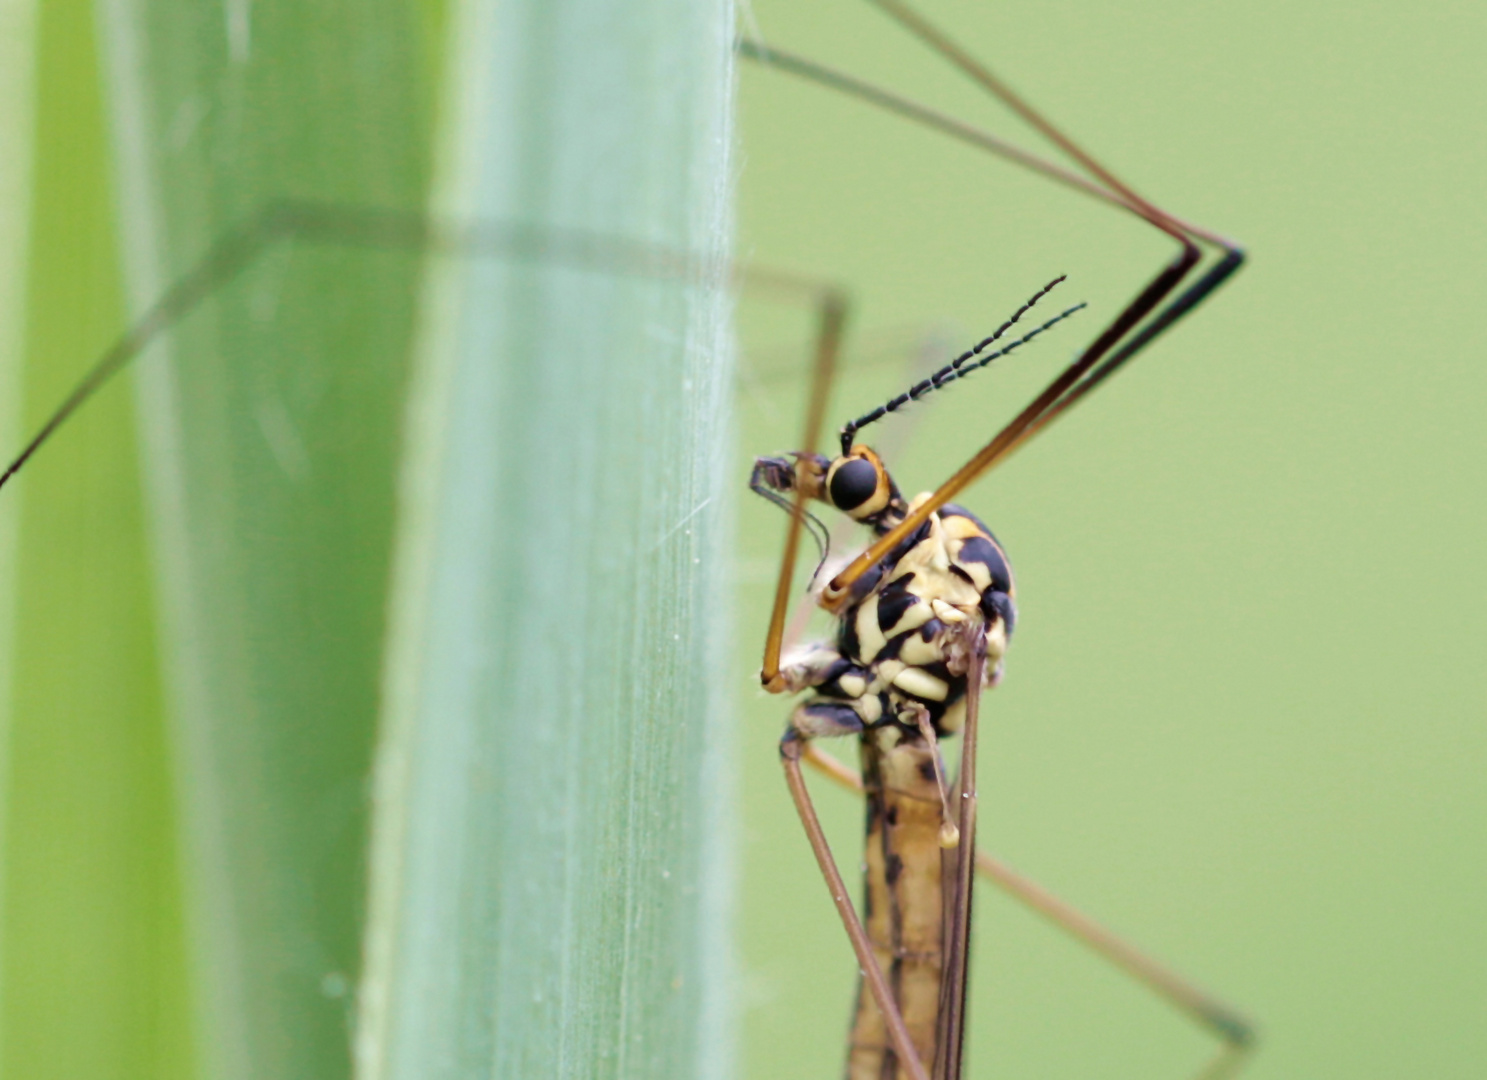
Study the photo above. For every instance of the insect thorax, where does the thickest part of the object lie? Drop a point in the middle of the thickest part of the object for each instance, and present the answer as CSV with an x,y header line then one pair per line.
x,y
903,647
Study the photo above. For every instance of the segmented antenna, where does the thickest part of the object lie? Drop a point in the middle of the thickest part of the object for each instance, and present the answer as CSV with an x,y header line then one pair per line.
x,y
960,366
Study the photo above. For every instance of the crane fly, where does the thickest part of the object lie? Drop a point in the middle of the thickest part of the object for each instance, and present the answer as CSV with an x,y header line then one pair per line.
x,y
925,613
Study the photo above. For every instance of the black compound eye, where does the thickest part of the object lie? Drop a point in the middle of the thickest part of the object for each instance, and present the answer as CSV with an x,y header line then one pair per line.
x,y
853,483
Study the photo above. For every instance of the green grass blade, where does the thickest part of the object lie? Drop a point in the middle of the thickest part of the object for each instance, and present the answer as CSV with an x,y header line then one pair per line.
x,y
93,971
270,421
18,48
548,868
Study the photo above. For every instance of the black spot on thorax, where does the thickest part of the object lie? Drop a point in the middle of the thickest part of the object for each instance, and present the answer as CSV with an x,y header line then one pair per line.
x,y
980,549
894,600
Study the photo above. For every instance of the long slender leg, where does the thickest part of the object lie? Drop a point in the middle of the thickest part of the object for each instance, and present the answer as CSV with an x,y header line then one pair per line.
x,y
379,228
1233,1029
1189,299
949,819
981,74
359,226
924,358
784,60
832,319
964,131
1220,1019
1233,257
950,1042
224,261
1140,323
1011,435
1122,339
792,749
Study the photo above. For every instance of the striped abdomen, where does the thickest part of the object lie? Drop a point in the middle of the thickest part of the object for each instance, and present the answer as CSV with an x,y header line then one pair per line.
x,y
904,904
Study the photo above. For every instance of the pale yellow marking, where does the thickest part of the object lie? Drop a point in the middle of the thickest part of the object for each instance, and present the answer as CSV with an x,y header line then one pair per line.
x,y
921,683
888,670
854,685
996,643
961,528
945,613
915,616
929,562
921,559
978,571
918,652
870,639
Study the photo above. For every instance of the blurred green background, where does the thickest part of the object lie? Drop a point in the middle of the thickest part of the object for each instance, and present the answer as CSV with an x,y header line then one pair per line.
x,y
1242,721
1243,717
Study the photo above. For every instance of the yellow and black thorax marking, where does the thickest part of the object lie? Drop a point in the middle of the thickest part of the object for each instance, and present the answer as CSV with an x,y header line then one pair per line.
x,y
899,644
